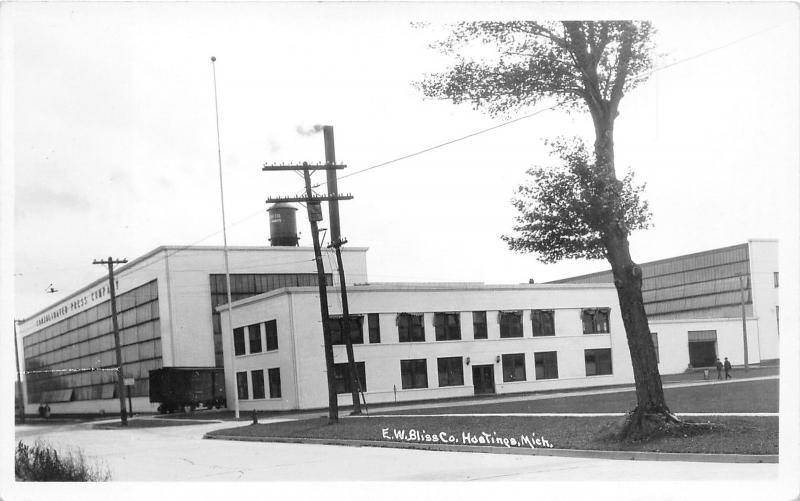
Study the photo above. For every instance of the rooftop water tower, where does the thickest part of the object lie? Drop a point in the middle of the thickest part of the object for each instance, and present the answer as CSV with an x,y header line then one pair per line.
x,y
283,225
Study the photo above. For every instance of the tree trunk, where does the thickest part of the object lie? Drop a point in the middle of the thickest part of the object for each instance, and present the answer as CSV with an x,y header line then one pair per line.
x,y
628,281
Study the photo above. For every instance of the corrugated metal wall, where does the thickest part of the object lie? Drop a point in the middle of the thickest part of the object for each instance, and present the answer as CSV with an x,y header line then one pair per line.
x,y
701,285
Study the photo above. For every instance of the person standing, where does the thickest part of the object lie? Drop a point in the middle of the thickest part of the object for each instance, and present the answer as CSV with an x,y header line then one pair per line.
x,y
718,364
727,369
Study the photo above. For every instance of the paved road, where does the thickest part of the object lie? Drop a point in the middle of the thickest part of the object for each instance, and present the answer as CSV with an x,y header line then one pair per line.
x,y
179,453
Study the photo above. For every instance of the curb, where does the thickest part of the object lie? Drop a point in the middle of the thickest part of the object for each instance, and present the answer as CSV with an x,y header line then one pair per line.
x,y
486,449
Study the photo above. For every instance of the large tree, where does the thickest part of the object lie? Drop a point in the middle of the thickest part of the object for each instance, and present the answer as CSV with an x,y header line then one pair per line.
x,y
581,65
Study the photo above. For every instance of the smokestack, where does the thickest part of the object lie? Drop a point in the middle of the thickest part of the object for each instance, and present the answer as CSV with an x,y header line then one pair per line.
x,y
333,205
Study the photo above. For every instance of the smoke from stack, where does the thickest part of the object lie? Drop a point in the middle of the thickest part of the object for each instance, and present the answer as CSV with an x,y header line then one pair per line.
x,y
310,131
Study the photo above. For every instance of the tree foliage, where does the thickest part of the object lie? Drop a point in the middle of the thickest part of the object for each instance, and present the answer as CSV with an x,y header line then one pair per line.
x,y
562,211
583,64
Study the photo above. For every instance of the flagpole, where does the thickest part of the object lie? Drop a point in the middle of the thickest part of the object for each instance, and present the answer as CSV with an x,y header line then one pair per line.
x,y
225,246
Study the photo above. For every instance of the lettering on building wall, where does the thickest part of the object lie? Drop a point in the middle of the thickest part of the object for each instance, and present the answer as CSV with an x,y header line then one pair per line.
x,y
530,440
100,294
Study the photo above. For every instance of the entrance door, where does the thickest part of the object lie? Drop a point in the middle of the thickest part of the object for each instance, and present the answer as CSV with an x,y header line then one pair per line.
x,y
702,353
483,379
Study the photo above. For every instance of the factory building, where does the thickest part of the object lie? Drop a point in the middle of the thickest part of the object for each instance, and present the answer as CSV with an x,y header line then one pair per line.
x,y
694,304
426,341
412,341
166,302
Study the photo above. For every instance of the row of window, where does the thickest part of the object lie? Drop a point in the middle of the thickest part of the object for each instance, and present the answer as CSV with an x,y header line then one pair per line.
x,y
257,379
128,300
414,372
447,325
130,319
87,384
252,341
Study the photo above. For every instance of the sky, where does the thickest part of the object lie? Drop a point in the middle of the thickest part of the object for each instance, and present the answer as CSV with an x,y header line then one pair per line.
x,y
109,142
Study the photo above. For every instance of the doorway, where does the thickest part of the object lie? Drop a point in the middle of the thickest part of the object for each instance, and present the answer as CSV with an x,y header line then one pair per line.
x,y
483,379
702,353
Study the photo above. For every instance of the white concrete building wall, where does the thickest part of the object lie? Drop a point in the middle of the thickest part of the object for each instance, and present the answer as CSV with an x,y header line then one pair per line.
x,y
278,308
673,341
763,266
382,361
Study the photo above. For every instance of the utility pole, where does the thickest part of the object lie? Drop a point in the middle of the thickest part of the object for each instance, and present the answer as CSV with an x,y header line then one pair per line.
x,y
744,322
120,386
314,215
336,243
19,378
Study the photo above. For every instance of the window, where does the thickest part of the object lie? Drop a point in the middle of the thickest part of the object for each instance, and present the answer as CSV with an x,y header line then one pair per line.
x,y
546,363
479,325
414,373
341,377
543,322
274,382
271,328
337,326
598,362
510,323
654,336
775,278
258,383
595,320
451,371
410,327
255,338
373,320
238,341
447,326
241,385
514,367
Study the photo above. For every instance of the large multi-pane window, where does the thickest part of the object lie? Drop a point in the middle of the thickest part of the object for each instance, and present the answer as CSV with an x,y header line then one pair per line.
x,y
84,344
479,330
451,371
258,383
238,341
373,319
271,328
410,327
543,322
595,320
546,363
246,285
274,376
514,367
414,373
598,362
255,337
447,326
510,323
356,331
341,377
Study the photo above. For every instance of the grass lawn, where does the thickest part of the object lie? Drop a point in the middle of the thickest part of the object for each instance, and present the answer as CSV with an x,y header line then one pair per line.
x,y
737,436
742,396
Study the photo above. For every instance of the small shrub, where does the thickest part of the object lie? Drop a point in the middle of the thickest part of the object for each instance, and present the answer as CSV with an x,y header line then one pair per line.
x,y
43,463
